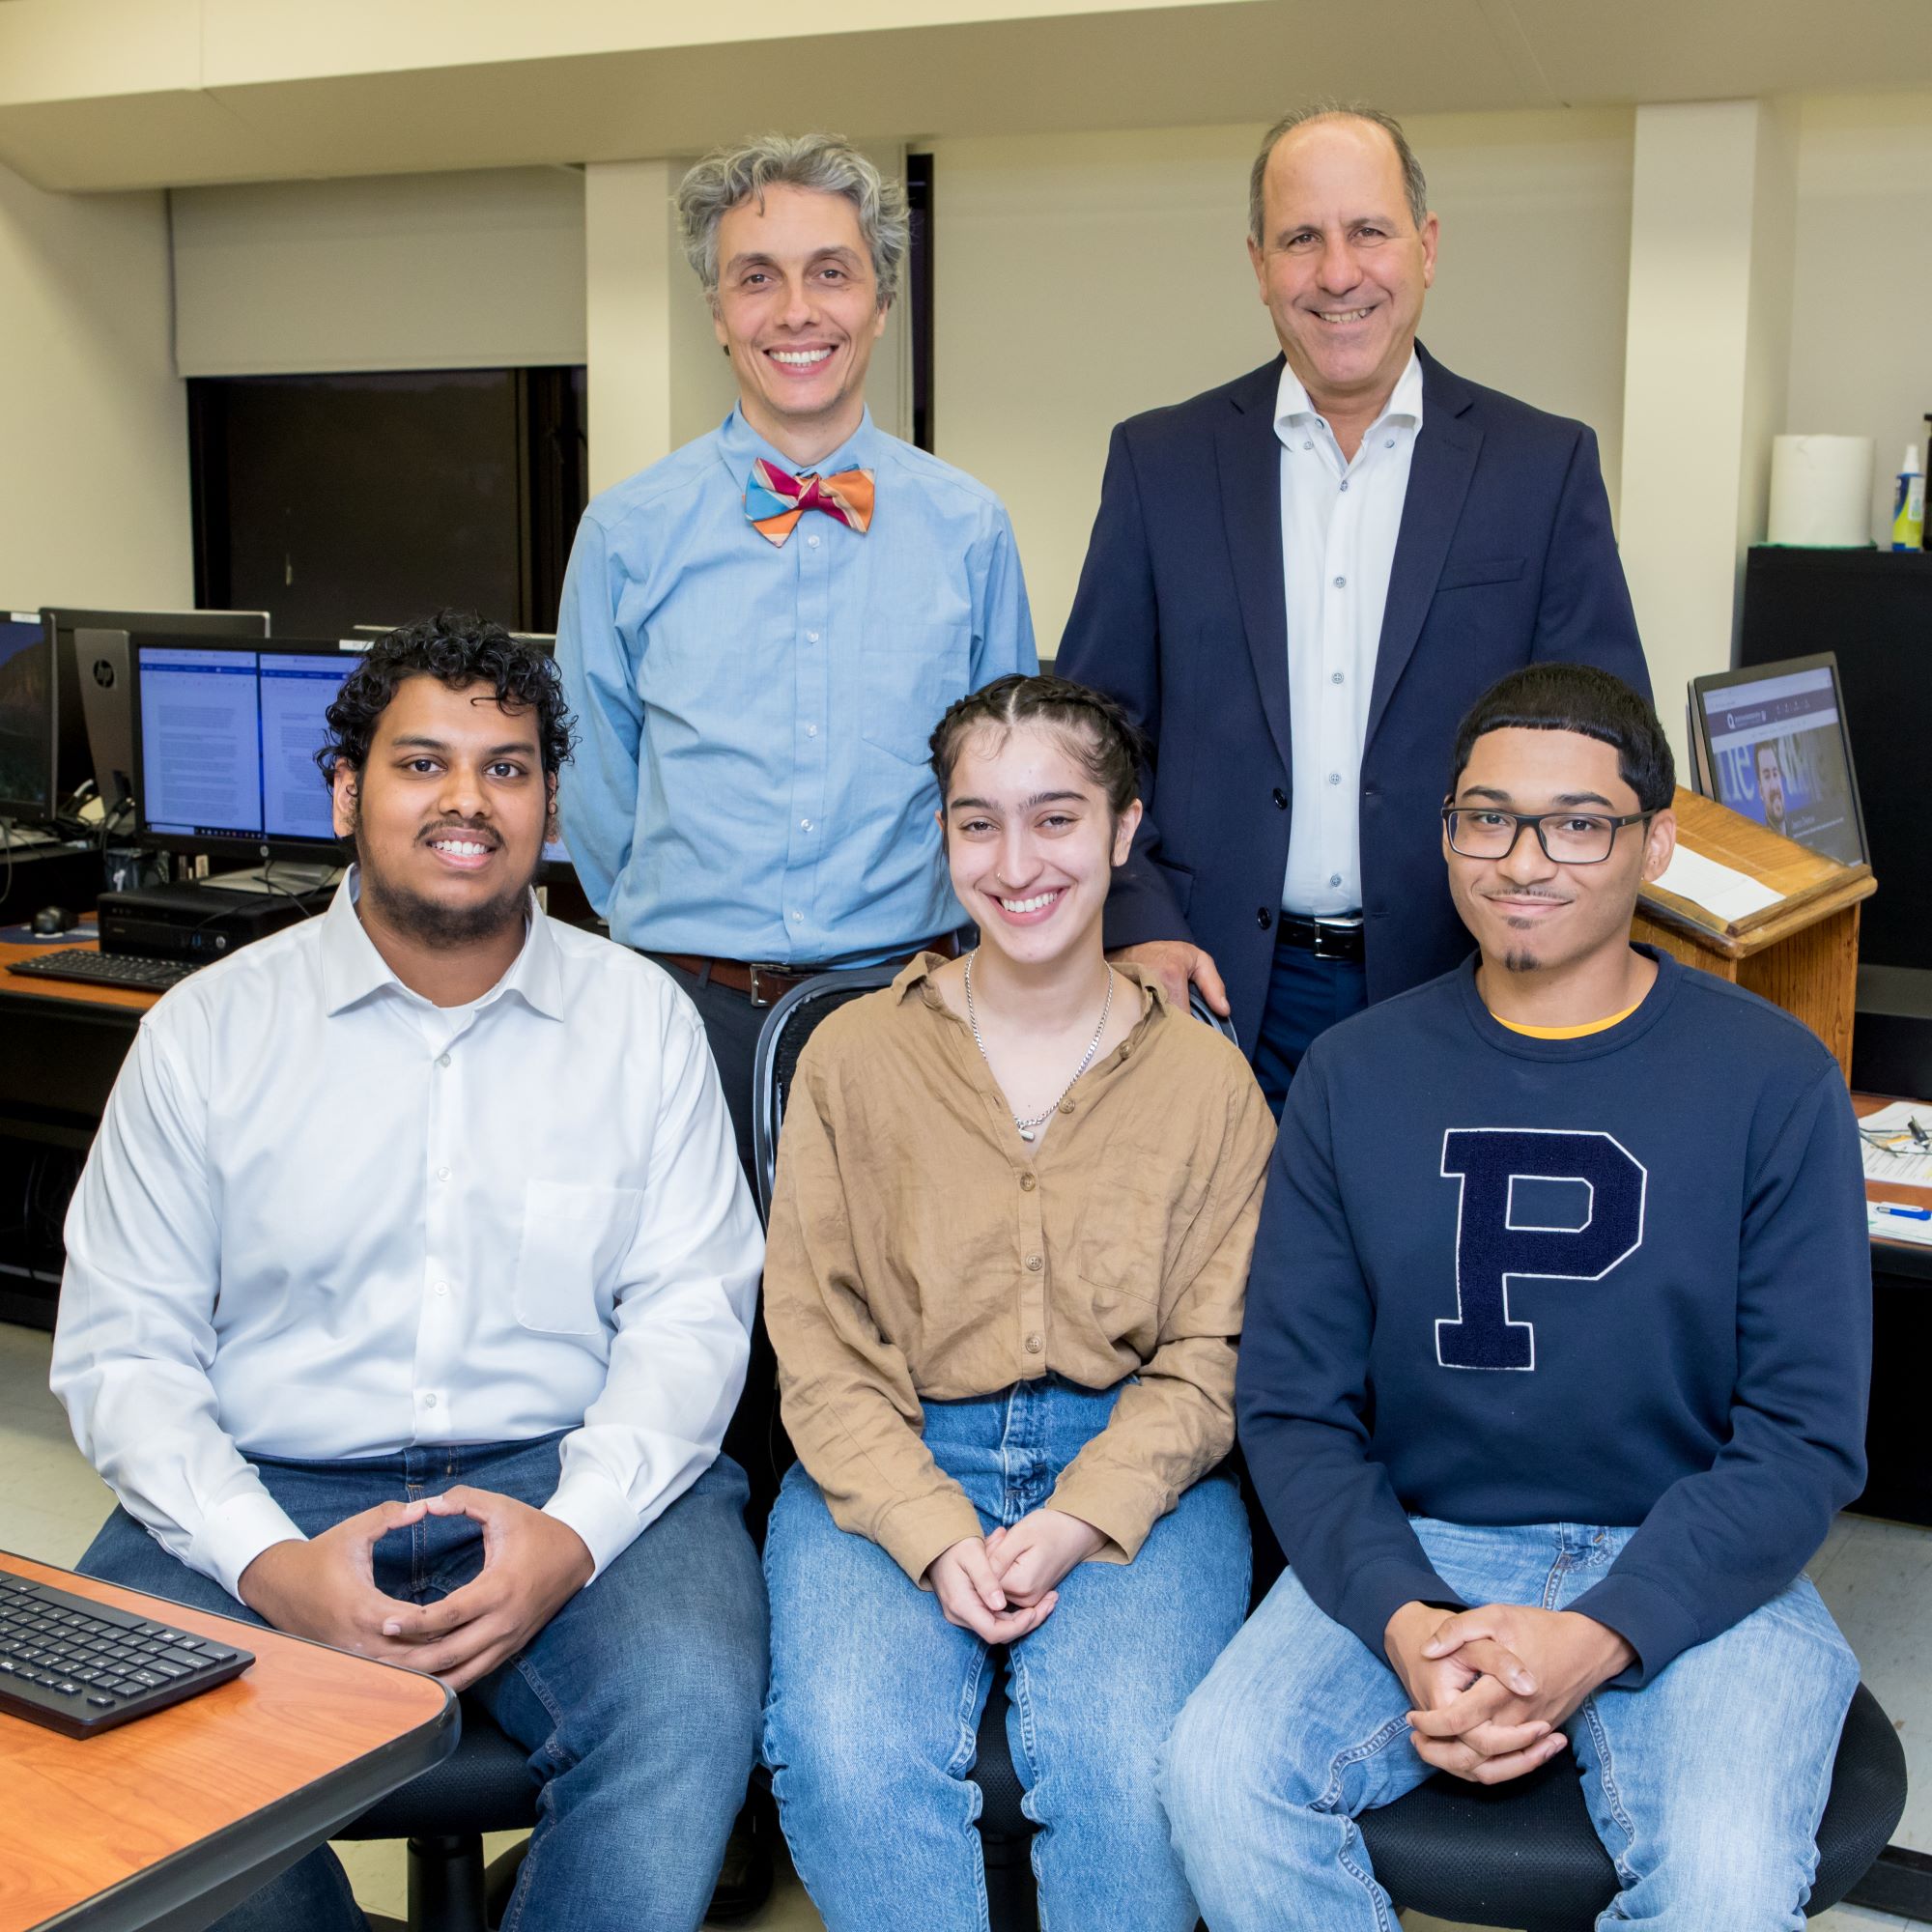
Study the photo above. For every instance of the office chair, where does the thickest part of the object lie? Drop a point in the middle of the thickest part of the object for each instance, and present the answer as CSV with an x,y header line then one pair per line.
x,y
1524,1854
1006,1831
484,1785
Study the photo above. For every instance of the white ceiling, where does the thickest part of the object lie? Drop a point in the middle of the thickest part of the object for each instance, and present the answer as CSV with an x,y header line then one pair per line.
x,y
118,94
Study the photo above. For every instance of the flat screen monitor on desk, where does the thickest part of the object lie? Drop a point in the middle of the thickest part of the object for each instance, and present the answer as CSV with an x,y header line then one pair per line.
x,y
225,738
93,717
26,719
1773,744
224,748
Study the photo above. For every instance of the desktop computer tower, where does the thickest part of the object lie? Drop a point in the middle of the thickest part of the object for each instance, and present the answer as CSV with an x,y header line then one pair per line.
x,y
201,923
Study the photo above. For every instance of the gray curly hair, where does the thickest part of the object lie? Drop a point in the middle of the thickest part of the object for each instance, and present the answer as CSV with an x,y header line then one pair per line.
x,y
1415,189
825,163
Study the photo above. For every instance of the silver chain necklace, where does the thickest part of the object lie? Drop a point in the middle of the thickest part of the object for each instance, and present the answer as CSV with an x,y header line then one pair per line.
x,y
1033,1121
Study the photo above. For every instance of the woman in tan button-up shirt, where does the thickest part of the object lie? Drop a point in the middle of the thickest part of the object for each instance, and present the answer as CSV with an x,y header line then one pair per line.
x,y
1017,1195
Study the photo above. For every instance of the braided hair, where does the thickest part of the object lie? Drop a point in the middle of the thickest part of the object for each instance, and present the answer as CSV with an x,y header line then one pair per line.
x,y
1098,732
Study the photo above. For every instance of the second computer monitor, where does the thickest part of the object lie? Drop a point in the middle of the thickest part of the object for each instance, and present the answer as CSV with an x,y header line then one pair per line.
x,y
94,700
225,741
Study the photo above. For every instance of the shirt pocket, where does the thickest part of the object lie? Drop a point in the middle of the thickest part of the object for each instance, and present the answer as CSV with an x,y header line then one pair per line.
x,y
1116,1317
573,1238
910,673
1121,1251
1466,573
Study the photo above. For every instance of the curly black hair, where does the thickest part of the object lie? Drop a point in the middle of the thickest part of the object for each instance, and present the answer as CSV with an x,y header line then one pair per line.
x,y
457,648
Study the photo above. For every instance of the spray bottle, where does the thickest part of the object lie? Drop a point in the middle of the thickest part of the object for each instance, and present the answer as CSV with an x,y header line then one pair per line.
x,y
1908,509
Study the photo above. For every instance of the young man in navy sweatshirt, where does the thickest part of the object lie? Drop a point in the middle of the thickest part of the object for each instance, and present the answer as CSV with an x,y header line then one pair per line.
x,y
1554,1372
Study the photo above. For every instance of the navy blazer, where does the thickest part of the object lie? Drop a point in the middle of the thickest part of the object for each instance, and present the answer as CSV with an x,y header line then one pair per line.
x,y
1504,557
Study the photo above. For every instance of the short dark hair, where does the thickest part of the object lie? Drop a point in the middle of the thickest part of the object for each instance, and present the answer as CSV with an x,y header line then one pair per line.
x,y
1104,738
456,648
1763,745
1581,698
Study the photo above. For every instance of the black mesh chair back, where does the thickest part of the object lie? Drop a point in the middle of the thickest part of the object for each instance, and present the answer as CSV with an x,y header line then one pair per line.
x,y
1202,1010
780,1041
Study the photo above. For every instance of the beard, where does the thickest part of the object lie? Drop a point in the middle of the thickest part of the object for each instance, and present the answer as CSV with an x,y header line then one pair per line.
x,y
430,922
1517,960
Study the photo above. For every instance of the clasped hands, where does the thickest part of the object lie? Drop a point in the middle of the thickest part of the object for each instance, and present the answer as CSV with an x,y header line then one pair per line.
x,y
1490,1686
1004,1585
326,1589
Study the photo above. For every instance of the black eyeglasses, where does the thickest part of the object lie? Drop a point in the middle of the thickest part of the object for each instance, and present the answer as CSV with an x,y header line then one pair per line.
x,y
1567,837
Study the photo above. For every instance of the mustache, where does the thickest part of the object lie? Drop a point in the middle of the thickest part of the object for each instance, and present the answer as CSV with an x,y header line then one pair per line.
x,y
471,827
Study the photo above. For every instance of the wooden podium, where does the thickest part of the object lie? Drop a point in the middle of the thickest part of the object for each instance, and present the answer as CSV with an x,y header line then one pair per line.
x,y
1800,953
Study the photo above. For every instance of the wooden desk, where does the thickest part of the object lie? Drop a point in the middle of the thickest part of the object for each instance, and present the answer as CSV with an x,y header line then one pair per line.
x,y
167,1822
1800,953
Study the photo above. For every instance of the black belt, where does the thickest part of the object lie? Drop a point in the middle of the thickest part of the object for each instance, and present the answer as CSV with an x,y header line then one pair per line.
x,y
1325,938
763,985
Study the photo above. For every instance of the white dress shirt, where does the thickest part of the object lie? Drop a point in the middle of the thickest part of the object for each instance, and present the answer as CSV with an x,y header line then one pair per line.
x,y
325,1219
1339,524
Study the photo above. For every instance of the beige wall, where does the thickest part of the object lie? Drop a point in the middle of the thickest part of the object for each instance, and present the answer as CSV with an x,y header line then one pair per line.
x,y
94,497
1862,299
467,271
1085,279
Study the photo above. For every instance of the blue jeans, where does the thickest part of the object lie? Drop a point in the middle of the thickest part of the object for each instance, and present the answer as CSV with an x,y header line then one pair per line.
x,y
1306,996
875,1698
1706,1786
637,1702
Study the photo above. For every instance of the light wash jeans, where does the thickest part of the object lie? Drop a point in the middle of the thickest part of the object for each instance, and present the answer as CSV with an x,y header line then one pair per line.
x,y
637,1702
1706,1786
875,1698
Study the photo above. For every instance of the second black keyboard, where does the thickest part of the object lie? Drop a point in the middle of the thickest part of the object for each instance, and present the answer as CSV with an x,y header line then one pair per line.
x,y
138,970
81,1667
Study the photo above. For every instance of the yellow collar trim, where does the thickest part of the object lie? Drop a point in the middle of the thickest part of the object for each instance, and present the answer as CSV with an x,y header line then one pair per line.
x,y
1570,1032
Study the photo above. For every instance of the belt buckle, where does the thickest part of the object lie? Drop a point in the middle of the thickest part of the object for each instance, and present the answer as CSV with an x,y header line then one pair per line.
x,y
1334,939
756,966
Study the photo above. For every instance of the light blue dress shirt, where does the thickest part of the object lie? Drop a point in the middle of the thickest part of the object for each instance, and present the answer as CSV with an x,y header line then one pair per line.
x,y
751,779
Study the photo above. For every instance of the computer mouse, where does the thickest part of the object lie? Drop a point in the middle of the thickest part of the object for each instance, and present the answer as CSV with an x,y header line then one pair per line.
x,y
51,921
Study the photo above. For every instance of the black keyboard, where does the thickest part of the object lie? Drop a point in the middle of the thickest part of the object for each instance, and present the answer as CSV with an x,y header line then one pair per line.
x,y
80,1667
138,970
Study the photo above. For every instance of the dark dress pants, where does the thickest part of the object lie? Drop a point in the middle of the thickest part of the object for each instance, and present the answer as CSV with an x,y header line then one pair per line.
x,y
1306,997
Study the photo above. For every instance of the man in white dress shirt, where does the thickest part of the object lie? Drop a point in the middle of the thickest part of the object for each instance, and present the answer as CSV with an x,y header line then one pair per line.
x,y
408,1295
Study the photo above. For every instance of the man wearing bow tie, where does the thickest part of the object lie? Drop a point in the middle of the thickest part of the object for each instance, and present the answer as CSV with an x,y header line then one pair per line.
x,y
761,631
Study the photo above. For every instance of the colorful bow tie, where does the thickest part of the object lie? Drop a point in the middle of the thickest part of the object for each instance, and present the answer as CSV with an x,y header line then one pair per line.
x,y
775,501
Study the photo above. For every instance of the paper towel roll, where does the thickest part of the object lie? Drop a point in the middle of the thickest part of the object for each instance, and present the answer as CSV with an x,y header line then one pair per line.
x,y
1821,491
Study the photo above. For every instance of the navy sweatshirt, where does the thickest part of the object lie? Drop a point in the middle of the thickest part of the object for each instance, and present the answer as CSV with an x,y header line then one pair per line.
x,y
1620,1280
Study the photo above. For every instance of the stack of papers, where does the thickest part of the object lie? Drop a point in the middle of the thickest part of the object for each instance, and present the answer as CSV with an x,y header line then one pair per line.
x,y
1899,1145
1884,1227
1719,889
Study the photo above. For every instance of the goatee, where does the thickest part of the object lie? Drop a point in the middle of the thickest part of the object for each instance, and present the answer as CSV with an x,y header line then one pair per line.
x,y
431,923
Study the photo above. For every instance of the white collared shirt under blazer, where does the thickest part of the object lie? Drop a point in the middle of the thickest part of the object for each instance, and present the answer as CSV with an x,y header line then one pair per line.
x,y
1340,520
324,1219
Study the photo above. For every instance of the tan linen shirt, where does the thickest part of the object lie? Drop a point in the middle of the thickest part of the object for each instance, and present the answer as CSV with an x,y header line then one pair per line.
x,y
918,1248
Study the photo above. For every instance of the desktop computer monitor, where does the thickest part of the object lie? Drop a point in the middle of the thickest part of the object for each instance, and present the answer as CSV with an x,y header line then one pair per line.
x,y
225,738
224,744
26,717
94,721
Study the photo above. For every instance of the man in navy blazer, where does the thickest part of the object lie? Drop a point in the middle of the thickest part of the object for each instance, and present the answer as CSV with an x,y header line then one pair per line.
x,y
1299,582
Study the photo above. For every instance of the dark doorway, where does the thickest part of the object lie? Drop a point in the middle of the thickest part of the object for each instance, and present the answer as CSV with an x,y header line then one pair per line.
x,y
335,500
919,294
